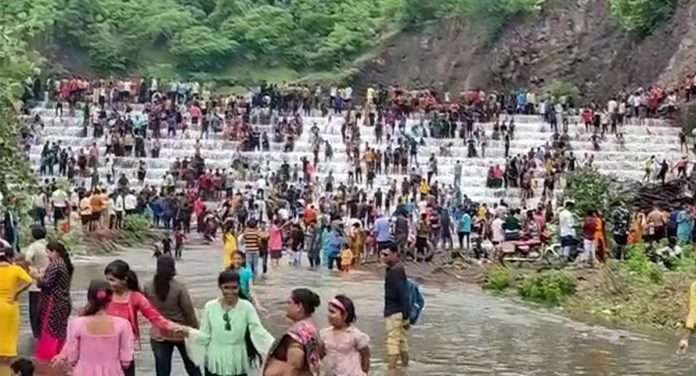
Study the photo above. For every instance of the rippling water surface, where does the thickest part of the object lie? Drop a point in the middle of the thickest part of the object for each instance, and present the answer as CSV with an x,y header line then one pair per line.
x,y
463,330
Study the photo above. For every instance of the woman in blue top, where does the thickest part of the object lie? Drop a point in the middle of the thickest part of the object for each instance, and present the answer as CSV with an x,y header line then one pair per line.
x,y
325,244
684,226
246,278
464,230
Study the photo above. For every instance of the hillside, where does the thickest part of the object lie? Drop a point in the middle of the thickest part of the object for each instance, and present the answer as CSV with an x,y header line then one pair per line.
x,y
599,46
576,41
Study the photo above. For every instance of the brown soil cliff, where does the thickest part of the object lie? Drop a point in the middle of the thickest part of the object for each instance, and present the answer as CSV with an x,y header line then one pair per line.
x,y
576,41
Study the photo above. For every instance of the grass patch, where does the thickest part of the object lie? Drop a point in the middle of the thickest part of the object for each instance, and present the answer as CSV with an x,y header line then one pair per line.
x,y
550,287
638,292
498,279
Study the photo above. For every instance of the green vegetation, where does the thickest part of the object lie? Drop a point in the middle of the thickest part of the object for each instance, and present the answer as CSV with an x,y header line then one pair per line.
x,y
638,292
498,279
193,37
638,264
559,89
591,189
490,16
549,287
20,21
635,293
641,17
208,35
137,231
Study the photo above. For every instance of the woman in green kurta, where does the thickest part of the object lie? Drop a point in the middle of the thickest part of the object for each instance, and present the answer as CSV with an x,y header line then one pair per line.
x,y
231,336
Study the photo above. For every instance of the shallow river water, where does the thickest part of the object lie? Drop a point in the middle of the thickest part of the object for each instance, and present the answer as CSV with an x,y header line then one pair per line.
x,y
463,331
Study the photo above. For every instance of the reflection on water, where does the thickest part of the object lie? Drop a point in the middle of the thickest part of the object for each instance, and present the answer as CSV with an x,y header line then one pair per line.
x,y
463,331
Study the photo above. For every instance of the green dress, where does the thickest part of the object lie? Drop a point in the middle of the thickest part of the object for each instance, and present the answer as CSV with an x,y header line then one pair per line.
x,y
225,350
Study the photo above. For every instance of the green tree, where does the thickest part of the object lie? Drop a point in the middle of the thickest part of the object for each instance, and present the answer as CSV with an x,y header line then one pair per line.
x,y
199,47
22,20
264,31
642,16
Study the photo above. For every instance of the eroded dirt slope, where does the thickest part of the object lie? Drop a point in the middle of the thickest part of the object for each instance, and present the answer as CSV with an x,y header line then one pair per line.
x,y
577,41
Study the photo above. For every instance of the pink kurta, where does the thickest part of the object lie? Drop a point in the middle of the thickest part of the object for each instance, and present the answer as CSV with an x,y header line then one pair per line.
x,y
275,241
98,355
343,351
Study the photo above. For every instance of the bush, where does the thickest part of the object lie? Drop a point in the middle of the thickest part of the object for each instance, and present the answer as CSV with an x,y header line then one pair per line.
x,y
639,264
136,229
498,278
558,89
551,287
641,17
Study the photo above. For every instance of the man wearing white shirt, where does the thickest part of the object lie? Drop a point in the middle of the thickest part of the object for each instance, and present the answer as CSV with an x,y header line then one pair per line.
x,y
130,203
37,257
39,201
59,201
566,226
119,207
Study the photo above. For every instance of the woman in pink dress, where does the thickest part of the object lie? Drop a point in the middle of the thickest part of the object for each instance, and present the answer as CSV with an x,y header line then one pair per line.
x,y
128,301
275,243
98,344
345,349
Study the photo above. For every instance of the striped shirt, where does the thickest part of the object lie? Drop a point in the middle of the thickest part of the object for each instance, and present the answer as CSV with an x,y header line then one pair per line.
x,y
251,240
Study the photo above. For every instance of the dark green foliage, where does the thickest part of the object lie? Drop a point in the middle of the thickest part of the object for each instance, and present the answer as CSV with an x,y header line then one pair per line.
x,y
199,47
551,287
589,189
641,17
498,278
20,20
208,34
640,265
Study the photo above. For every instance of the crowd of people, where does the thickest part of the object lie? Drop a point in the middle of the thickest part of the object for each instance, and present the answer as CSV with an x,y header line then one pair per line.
x,y
297,210
227,338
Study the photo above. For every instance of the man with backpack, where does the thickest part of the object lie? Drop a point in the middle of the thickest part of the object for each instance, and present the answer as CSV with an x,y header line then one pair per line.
x,y
397,309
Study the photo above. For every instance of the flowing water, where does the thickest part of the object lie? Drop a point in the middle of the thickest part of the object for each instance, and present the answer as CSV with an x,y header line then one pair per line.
x,y
463,330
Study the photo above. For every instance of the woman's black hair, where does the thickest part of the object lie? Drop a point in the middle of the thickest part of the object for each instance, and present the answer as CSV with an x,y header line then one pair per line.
x,y
6,253
347,303
99,296
252,353
307,298
230,275
165,273
59,248
242,255
23,367
120,270
38,232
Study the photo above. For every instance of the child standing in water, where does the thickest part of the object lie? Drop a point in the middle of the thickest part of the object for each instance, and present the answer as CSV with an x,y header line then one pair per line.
x,y
346,259
345,349
166,244
179,238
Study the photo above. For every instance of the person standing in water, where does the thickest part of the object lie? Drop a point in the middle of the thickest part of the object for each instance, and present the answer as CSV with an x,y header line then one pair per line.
x,y
229,240
297,351
98,343
13,281
231,337
396,310
54,301
345,349
127,301
172,299
246,279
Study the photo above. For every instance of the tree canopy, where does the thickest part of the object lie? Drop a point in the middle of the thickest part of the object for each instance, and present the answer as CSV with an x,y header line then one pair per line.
x,y
205,34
